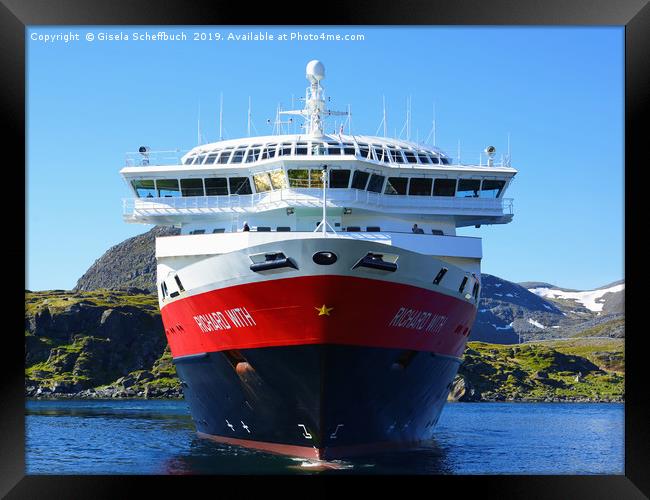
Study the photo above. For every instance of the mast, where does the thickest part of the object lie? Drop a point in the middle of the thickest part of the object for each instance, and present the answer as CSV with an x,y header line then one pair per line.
x,y
323,224
249,117
221,117
314,111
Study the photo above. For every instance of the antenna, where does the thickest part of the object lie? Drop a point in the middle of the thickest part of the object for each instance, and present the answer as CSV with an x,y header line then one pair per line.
x,y
221,117
198,126
408,119
458,160
248,129
432,132
434,124
384,119
508,149
349,119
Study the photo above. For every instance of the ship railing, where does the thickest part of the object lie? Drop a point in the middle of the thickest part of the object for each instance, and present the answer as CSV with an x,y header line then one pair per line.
x,y
154,158
311,197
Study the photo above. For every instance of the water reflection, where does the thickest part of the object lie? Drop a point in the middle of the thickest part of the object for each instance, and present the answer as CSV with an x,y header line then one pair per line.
x,y
207,457
159,437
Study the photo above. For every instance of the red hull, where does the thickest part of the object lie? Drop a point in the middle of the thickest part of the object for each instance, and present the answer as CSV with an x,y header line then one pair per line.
x,y
322,309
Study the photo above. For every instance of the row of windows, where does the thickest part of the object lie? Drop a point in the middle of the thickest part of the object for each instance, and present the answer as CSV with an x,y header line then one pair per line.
x,y
211,186
311,178
256,152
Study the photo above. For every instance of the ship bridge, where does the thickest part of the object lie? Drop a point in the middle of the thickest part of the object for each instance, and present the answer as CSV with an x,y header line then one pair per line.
x,y
276,182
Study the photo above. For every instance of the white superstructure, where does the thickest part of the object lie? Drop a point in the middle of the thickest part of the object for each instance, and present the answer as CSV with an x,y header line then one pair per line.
x,y
378,188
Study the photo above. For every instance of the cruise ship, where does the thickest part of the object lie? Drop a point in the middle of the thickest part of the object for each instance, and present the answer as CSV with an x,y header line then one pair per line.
x,y
317,300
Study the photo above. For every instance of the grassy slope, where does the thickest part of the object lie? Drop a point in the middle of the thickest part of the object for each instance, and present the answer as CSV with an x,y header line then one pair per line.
x,y
63,357
561,369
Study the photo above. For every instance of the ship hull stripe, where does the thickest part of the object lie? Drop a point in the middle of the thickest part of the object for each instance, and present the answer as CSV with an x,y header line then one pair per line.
x,y
326,309
312,453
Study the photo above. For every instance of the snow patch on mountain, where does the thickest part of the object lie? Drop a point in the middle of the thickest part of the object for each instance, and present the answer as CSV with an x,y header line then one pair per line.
x,y
589,298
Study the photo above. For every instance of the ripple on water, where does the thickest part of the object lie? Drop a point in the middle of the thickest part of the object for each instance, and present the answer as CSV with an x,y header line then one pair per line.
x,y
158,437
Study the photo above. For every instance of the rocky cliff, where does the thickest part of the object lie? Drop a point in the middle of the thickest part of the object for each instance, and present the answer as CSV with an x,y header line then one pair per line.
x,y
564,370
100,343
131,263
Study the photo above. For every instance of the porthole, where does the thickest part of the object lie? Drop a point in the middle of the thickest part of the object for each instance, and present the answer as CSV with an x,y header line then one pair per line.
x,y
325,258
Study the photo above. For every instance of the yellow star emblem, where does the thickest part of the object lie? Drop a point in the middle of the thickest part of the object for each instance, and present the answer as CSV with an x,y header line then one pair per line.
x,y
324,311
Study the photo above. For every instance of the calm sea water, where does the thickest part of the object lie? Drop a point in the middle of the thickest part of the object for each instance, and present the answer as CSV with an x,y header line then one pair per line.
x,y
158,437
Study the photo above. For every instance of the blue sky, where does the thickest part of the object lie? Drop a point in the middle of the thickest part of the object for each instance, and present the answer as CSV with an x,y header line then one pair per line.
x,y
558,91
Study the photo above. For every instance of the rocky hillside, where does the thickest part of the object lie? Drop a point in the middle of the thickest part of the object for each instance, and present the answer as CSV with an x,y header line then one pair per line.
x,y
131,263
101,344
537,311
562,370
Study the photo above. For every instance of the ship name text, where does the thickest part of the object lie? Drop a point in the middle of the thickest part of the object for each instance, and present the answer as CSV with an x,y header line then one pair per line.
x,y
214,321
415,319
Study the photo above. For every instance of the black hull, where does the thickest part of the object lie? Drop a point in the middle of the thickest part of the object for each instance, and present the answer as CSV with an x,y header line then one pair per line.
x,y
320,401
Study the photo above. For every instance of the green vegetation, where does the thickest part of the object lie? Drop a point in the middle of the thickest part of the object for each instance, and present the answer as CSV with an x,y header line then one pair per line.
x,y
604,329
76,341
59,300
581,369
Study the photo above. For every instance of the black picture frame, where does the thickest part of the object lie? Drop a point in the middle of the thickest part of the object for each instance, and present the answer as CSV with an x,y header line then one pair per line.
x,y
634,15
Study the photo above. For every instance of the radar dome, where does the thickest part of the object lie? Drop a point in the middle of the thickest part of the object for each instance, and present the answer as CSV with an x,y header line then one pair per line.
x,y
315,71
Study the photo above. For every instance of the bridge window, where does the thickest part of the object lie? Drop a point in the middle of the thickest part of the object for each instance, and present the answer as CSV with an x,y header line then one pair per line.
x,y
380,153
211,158
348,149
167,188
333,148
298,178
444,187
189,160
225,156
410,157
284,150
315,178
492,189
262,182
268,152
468,188
318,148
396,185
376,183
253,154
444,161
240,185
363,151
339,178
420,187
424,158
360,179
238,155
216,186
396,155
278,180
199,160
301,148
144,188
192,187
